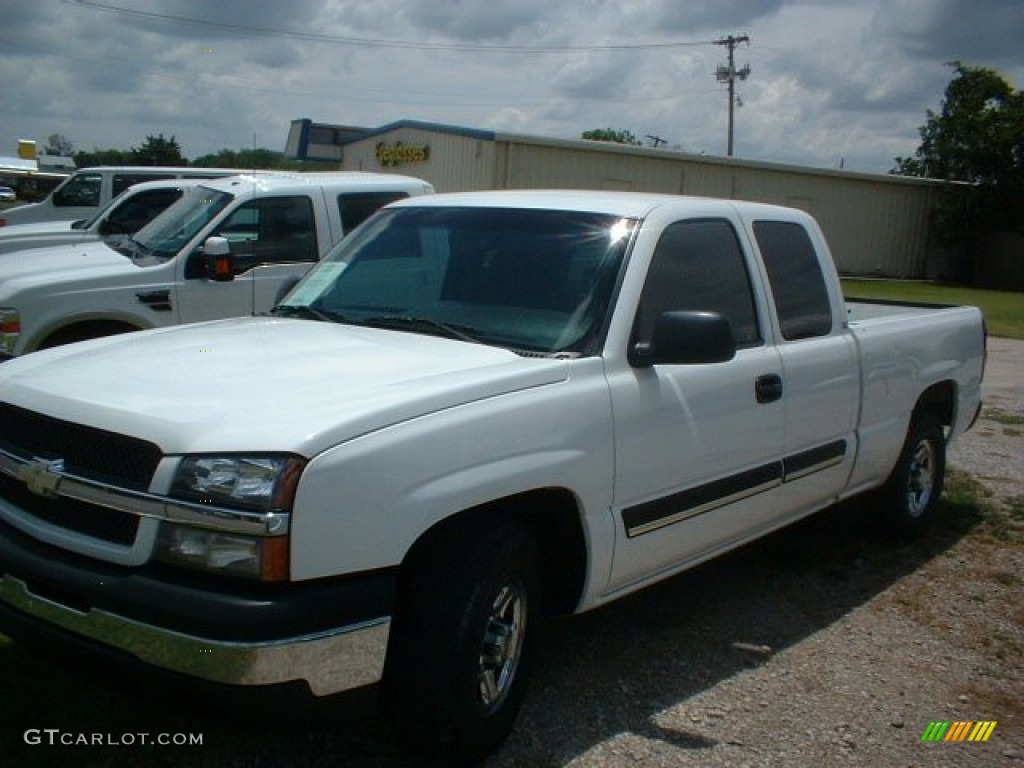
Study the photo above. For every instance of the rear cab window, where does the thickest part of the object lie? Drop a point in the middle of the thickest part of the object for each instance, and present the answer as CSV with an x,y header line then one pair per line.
x,y
356,207
796,280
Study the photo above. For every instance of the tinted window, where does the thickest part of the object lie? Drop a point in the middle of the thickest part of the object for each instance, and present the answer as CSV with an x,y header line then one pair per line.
x,y
536,280
134,213
80,189
270,230
357,207
794,272
698,265
121,181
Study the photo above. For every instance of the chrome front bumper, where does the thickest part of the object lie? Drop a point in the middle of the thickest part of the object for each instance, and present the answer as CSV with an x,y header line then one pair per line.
x,y
329,662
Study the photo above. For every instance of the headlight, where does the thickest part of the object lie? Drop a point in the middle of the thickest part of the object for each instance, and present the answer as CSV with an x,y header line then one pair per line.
x,y
258,483
261,488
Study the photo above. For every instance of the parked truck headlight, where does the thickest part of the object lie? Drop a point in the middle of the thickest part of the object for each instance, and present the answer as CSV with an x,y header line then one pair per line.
x,y
262,483
264,558
253,543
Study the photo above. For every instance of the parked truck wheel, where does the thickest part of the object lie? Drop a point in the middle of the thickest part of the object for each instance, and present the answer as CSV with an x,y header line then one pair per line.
x,y
462,640
912,491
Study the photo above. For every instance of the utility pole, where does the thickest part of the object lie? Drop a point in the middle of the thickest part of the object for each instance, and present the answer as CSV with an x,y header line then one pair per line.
x,y
728,74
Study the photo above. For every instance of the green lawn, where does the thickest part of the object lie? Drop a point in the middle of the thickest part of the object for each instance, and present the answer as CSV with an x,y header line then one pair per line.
x,y
1004,310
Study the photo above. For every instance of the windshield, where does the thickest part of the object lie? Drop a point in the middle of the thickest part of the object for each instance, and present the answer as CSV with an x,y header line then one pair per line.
x,y
165,235
531,280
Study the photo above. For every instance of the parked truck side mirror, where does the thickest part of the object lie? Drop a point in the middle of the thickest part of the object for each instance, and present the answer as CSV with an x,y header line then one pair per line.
x,y
217,254
686,338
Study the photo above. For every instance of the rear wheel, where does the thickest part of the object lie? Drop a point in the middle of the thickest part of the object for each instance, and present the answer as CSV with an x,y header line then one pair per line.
x,y
913,489
462,640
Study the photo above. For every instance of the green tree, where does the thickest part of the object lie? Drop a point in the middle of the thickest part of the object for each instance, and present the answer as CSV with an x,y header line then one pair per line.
x,y
58,144
156,150
608,134
103,157
976,138
260,158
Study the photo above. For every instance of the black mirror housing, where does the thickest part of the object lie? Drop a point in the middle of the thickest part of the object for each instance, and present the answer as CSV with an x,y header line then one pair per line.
x,y
686,338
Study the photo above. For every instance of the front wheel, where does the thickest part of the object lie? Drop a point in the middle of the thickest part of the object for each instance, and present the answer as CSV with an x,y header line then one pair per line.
x,y
912,491
462,640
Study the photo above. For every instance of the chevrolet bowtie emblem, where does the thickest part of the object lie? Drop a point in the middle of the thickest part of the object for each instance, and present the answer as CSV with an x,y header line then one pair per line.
x,y
42,476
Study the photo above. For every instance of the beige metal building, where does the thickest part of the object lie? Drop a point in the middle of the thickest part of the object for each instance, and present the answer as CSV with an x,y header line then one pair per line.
x,y
876,224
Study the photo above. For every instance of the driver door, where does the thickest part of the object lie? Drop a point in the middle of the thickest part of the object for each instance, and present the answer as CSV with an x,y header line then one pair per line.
x,y
271,239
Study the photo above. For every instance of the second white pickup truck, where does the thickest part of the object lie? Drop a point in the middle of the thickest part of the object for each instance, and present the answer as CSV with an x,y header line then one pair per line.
x,y
126,214
226,248
478,408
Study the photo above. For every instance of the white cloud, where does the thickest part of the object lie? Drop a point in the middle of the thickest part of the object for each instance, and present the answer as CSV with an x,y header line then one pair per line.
x,y
829,79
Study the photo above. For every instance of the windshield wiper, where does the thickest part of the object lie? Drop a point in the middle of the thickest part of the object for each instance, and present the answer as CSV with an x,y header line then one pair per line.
x,y
305,310
424,325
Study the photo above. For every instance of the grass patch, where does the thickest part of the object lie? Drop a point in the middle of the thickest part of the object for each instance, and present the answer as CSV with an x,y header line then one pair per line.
x,y
1004,310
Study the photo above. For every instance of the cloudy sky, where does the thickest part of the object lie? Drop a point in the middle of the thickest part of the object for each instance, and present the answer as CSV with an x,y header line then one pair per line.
x,y
831,81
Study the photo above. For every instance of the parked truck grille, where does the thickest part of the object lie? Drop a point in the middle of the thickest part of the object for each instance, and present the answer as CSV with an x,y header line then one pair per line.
x,y
107,457
79,516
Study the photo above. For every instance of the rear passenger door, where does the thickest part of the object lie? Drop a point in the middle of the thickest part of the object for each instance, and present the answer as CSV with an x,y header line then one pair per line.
x,y
697,446
819,365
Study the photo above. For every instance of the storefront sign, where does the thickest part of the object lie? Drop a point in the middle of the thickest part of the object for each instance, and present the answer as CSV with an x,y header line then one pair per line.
x,y
398,153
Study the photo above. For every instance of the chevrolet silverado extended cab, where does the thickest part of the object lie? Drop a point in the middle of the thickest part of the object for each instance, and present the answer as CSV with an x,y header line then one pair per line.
x,y
477,408
225,248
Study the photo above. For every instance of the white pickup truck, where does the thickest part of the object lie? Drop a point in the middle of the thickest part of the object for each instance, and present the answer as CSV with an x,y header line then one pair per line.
x,y
126,214
478,408
226,248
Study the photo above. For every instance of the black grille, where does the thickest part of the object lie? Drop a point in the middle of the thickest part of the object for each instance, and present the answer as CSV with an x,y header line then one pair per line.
x,y
82,517
125,462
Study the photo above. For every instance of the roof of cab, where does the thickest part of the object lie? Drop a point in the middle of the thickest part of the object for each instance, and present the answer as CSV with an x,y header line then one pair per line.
x,y
629,204
284,182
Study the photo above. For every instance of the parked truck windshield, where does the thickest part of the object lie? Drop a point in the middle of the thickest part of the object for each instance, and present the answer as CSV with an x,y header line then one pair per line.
x,y
532,280
165,235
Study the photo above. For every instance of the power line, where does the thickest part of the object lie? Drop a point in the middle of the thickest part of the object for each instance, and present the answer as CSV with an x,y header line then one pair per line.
x,y
377,42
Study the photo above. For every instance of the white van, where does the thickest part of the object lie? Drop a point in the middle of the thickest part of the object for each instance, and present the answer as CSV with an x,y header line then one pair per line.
x,y
82,194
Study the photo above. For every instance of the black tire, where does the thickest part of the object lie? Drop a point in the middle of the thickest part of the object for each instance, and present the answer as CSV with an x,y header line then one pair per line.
x,y
462,639
911,493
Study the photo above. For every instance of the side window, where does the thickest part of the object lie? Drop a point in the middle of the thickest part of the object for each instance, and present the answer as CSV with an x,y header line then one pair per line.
x,y
357,207
699,265
271,230
81,189
131,215
121,181
798,285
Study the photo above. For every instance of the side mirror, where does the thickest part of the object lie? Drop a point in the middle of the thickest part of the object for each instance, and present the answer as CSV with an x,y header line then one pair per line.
x,y
217,255
686,338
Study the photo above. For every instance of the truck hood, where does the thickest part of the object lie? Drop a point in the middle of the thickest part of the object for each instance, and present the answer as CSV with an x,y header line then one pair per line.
x,y
45,236
263,384
63,261
34,230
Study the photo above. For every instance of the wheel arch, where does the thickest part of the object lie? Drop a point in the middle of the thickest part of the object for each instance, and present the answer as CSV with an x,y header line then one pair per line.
x,y
81,328
939,399
553,516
